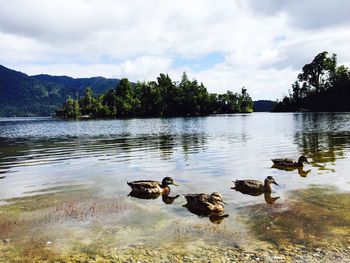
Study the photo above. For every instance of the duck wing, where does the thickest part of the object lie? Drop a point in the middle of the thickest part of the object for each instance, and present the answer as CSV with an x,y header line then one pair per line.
x,y
198,204
197,199
248,183
144,184
283,161
252,187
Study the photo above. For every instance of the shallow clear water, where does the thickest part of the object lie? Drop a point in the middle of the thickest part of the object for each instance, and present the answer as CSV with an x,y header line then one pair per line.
x,y
93,159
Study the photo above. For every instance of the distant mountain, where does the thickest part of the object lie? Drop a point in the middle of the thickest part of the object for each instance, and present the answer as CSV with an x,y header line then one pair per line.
x,y
40,95
98,84
263,105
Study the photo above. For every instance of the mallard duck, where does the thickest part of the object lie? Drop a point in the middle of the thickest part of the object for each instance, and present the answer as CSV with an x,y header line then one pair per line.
x,y
290,163
254,187
152,187
204,204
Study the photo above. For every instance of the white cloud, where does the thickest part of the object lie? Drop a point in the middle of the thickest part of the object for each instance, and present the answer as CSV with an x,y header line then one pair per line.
x,y
141,68
310,14
265,43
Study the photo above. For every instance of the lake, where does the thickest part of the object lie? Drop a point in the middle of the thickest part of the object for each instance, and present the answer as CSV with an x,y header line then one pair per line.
x,y
63,184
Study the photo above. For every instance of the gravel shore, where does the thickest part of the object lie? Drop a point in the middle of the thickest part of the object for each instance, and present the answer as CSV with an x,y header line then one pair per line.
x,y
133,254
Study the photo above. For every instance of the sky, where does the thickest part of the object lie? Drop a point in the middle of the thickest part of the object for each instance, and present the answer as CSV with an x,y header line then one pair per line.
x,y
226,44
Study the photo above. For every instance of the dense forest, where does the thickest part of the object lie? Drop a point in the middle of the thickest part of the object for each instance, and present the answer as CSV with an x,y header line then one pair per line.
x,y
321,86
160,98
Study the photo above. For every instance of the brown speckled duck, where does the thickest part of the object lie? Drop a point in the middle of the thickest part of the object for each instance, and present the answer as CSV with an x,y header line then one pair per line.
x,y
290,163
204,204
152,187
254,187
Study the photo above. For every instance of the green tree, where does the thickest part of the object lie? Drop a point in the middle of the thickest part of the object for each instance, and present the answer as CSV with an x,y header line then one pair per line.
x,y
126,103
193,98
170,95
316,74
87,102
109,100
71,108
149,98
245,101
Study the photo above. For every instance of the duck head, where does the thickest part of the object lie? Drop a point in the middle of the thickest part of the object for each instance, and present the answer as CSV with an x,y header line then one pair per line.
x,y
216,198
270,180
302,159
168,181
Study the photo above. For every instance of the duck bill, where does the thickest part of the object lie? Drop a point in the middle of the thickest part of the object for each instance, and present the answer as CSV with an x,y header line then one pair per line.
x,y
274,182
176,184
222,201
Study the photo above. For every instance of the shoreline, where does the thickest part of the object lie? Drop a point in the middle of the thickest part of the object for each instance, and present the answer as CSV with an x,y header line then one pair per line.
x,y
185,253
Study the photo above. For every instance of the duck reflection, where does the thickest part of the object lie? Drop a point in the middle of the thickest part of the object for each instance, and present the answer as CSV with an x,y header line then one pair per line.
x,y
217,219
269,199
301,171
205,205
267,196
168,200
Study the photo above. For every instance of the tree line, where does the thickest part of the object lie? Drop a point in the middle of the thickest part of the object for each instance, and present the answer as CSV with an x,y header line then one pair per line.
x,y
160,98
321,86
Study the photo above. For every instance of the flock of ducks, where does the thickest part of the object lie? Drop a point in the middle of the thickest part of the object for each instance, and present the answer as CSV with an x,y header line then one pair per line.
x,y
212,205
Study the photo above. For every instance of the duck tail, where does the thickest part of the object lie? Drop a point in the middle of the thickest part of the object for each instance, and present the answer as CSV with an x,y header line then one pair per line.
x,y
129,183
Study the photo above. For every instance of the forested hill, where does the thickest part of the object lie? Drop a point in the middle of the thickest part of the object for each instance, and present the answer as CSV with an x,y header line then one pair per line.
x,y
23,95
98,84
321,86
263,105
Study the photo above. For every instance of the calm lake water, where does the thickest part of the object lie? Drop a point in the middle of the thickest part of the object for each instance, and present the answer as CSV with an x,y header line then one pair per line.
x,y
69,177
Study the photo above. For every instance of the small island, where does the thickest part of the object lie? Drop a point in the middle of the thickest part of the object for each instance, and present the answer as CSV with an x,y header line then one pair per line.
x,y
160,98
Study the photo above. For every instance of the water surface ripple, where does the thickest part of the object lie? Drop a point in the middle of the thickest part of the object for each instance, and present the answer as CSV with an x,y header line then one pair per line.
x,y
45,156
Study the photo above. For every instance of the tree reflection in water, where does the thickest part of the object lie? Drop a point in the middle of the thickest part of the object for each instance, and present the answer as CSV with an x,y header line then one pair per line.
x,y
325,146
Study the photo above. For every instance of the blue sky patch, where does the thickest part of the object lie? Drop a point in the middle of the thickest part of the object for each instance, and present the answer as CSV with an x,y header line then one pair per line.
x,y
199,63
